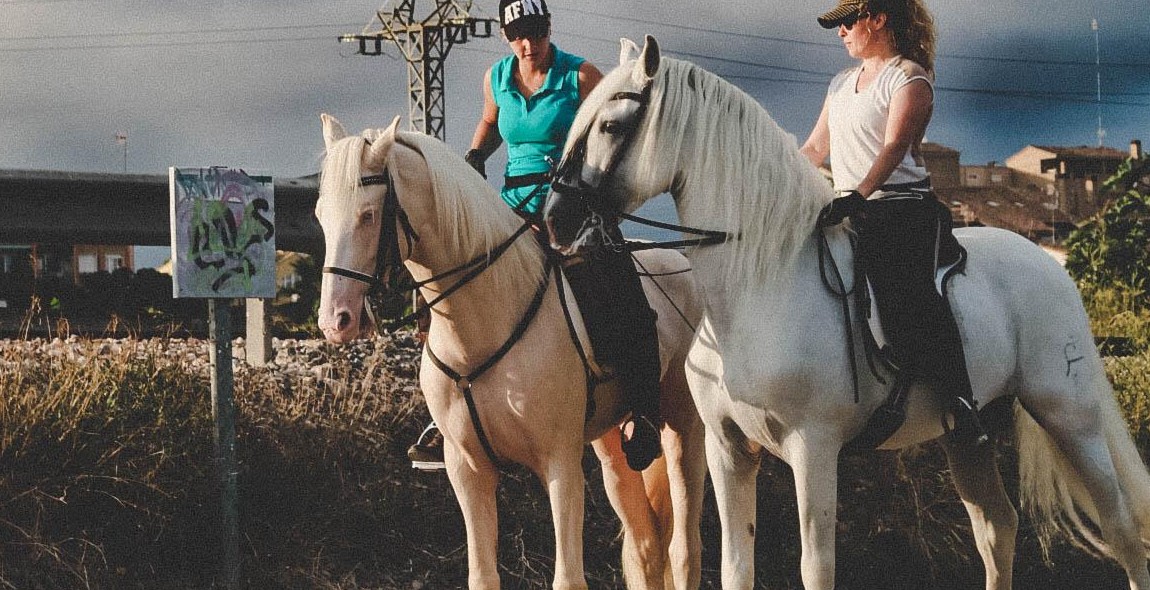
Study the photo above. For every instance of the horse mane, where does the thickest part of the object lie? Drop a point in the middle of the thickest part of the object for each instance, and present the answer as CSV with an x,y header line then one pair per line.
x,y
471,217
749,171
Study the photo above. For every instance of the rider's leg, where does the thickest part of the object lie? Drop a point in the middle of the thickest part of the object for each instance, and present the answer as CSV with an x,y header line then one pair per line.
x,y
621,326
898,243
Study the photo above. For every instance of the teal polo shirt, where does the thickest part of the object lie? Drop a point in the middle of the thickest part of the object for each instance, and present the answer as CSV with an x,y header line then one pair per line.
x,y
535,127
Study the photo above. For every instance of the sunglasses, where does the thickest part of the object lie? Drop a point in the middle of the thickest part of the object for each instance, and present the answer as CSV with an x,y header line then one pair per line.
x,y
848,23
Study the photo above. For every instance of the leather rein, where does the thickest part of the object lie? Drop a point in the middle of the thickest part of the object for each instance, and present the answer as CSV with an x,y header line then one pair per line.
x,y
591,198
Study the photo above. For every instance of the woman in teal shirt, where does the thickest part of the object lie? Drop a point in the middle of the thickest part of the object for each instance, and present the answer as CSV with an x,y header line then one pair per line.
x,y
529,99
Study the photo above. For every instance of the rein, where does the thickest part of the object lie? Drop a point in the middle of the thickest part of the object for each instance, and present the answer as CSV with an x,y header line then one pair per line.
x,y
840,292
388,253
591,199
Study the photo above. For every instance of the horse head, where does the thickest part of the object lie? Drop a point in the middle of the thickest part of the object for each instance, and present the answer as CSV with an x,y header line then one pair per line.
x,y
362,231
593,180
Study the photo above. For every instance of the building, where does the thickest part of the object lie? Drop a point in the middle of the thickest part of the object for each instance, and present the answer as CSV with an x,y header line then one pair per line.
x,y
1070,176
63,260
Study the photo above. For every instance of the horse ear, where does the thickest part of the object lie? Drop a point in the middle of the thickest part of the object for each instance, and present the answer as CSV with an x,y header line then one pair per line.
x,y
627,50
333,131
376,155
648,63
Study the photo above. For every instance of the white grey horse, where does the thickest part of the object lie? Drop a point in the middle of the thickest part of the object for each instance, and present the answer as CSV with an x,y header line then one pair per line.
x,y
772,341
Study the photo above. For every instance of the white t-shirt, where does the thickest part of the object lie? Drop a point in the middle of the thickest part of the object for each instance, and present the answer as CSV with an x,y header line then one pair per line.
x,y
857,122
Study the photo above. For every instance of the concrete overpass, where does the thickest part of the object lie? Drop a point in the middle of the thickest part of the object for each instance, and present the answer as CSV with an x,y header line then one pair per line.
x,y
128,209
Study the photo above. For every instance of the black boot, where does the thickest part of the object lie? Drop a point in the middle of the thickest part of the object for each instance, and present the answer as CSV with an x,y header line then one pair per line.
x,y
644,446
968,430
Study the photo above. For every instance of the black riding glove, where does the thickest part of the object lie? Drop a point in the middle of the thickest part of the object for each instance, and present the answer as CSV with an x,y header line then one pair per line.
x,y
839,209
476,159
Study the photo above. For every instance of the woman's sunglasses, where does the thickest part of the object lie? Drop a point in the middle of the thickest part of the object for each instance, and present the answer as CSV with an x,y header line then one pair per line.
x,y
848,23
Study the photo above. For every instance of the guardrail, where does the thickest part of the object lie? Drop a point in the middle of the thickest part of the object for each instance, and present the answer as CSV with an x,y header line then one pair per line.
x,y
128,209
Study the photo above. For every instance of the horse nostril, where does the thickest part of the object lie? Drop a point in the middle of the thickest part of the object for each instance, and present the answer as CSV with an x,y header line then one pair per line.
x,y
343,320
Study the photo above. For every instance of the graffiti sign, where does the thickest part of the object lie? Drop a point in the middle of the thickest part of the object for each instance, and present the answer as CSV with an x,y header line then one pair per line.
x,y
223,233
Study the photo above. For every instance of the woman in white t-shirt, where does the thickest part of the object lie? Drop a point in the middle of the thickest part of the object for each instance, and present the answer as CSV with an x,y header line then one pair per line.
x,y
871,127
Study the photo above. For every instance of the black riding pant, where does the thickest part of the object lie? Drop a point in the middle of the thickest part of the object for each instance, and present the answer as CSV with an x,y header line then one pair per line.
x,y
621,325
902,239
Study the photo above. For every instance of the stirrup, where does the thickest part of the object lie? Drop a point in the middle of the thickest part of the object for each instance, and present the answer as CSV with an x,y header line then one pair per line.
x,y
423,456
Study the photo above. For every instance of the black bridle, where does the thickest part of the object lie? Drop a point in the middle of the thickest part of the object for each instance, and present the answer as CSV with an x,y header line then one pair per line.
x,y
387,255
592,200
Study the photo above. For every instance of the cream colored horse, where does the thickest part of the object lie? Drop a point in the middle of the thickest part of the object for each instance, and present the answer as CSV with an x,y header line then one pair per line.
x,y
769,368
532,404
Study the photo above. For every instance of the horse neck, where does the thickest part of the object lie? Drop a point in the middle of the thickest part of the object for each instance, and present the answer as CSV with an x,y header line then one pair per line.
x,y
756,186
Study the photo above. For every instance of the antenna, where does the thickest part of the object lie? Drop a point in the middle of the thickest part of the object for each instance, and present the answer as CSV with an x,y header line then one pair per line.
x,y
1098,79
424,45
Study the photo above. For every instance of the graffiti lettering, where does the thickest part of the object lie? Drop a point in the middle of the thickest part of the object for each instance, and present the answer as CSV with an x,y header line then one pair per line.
x,y
229,230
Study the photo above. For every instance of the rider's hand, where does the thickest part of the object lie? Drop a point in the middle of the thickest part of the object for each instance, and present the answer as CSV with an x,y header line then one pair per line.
x,y
476,159
839,209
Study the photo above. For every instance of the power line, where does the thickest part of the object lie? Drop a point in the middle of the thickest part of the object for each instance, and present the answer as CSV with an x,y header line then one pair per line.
x,y
822,76
1049,62
199,43
826,76
165,33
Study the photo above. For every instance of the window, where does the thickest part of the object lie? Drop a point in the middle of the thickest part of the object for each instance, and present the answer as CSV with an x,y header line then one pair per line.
x,y
113,262
86,264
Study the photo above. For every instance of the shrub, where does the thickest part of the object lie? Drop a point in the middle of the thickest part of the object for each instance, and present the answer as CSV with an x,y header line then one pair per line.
x,y
1112,250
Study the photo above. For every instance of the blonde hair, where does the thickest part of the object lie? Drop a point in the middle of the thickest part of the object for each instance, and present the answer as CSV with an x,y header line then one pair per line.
x,y
912,27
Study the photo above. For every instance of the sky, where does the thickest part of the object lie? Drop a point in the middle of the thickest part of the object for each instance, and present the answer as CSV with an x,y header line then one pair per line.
x,y
242,84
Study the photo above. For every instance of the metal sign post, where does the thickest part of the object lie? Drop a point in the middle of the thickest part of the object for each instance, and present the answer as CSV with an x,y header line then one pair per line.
x,y
224,417
223,248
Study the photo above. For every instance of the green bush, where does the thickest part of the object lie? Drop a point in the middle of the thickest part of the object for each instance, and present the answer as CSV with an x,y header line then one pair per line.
x,y
1112,250
1131,378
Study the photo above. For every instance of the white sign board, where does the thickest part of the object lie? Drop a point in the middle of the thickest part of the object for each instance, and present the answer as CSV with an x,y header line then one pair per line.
x,y
223,233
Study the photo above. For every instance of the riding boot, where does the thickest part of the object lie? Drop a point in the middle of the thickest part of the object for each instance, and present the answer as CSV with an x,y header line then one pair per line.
x,y
900,241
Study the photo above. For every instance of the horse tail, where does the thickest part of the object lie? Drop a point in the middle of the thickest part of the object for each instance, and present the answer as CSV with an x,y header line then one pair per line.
x,y
1054,495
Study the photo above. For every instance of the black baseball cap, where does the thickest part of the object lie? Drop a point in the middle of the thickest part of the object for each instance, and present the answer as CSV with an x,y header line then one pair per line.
x,y
524,18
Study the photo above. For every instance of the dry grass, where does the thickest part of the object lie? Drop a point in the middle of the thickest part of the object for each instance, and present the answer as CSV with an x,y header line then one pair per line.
x,y
107,481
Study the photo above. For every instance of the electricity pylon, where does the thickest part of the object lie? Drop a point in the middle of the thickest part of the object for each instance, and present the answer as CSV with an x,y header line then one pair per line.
x,y
425,45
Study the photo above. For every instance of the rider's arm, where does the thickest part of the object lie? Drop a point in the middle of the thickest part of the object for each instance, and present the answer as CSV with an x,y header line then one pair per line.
x,y
910,110
589,77
487,139
818,145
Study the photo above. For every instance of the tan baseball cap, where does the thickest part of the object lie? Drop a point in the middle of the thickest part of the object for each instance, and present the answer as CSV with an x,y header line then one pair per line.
x,y
846,10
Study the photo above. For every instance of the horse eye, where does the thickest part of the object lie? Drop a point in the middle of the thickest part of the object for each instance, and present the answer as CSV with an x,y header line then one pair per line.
x,y
367,217
612,127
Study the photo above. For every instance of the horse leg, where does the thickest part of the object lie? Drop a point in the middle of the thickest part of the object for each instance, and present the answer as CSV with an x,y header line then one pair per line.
x,y
642,549
815,465
684,449
734,467
475,491
992,516
563,477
